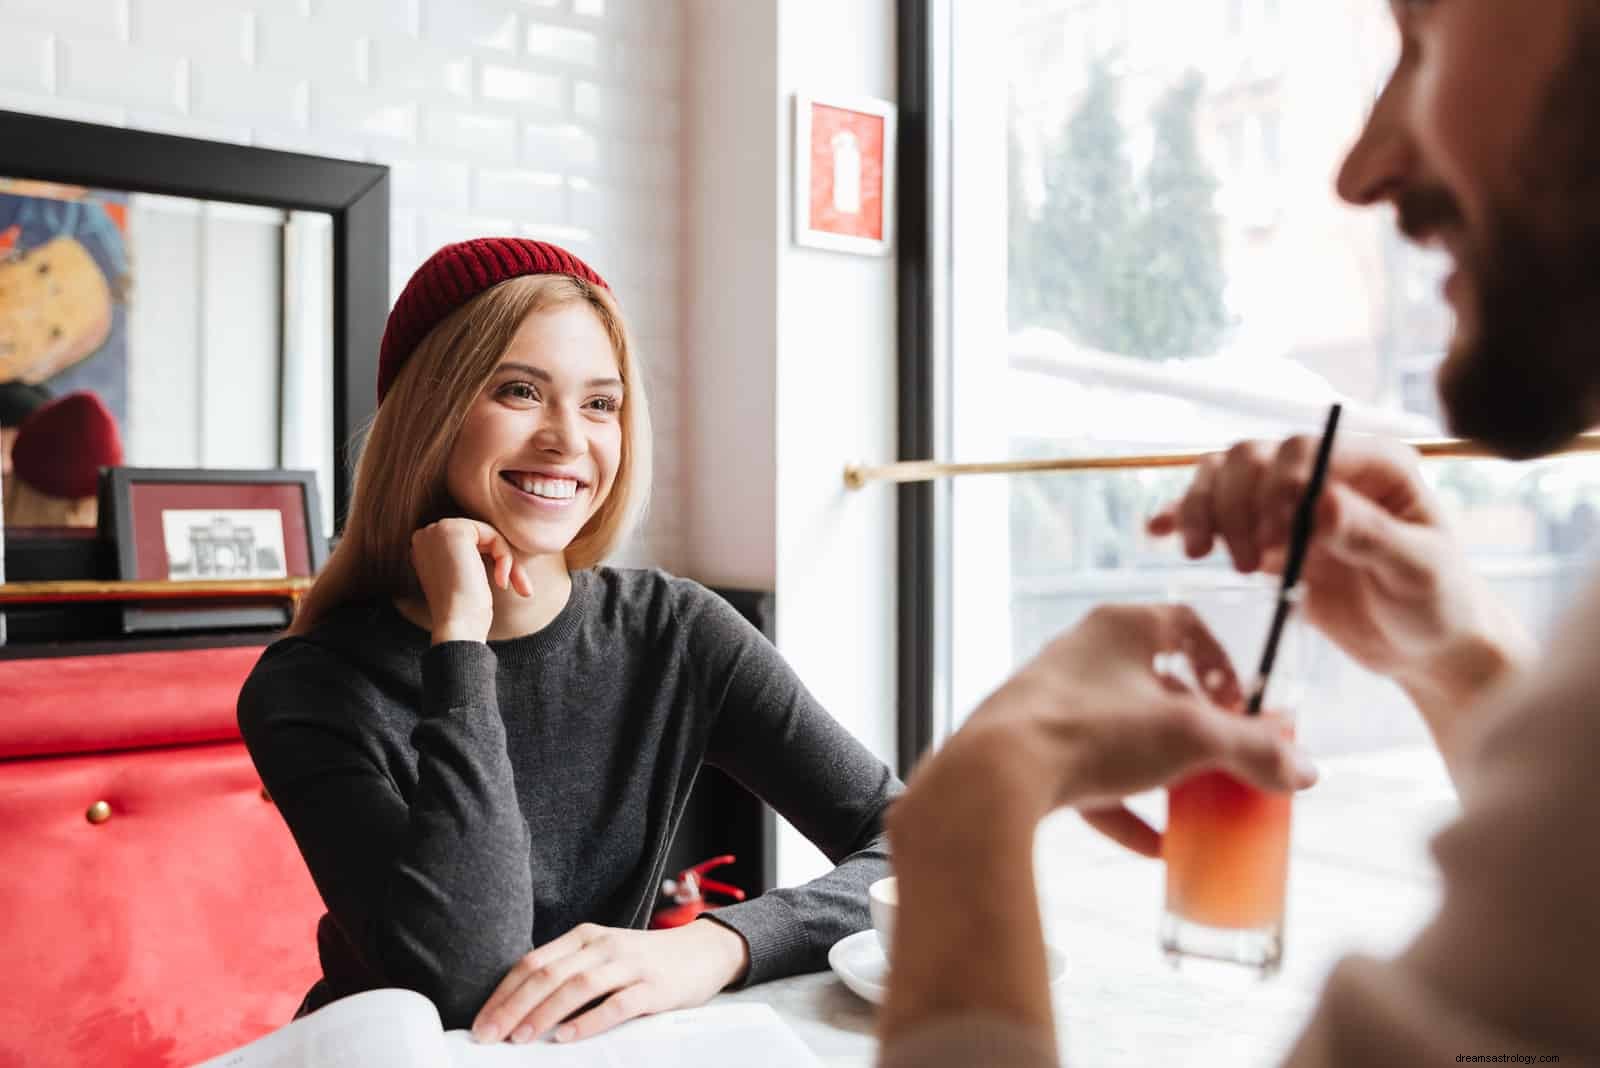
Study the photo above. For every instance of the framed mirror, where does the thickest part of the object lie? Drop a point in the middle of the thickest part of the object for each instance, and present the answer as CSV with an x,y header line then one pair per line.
x,y
223,303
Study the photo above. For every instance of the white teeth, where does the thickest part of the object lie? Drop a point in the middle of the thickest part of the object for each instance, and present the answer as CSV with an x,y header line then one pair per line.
x,y
559,489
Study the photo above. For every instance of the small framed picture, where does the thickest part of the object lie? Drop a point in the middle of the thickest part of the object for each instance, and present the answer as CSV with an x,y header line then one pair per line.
x,y
844,174
197,525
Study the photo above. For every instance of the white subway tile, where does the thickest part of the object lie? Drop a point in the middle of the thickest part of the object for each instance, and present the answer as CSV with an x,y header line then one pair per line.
x,y
61,108
368,16
607,210
490,138
312,143
117,74
432,185
30,61
476,23
639,164
563,44
531,90
405,65
625,110
229,92
183,126
217,31
440,230
522,195
643,61
292,44
368,116
656,15
568,148
92,18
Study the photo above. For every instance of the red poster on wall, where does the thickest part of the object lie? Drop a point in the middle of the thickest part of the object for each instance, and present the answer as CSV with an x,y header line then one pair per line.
x,y
844,174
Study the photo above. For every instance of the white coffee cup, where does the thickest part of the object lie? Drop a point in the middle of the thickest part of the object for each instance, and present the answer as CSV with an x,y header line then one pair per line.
x,y
883,900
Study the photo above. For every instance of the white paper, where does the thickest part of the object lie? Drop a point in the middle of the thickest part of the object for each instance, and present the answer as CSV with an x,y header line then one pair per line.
x,y
740,1035
387,1028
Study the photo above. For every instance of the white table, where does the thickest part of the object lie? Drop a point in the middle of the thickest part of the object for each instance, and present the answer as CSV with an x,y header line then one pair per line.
x,y
1360,879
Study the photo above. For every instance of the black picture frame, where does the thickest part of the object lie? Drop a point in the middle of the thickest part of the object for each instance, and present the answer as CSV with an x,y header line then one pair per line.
x,y
122,522
355,194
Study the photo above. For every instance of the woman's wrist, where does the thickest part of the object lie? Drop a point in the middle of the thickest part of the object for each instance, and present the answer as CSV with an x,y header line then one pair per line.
x,y
727,948
1463,672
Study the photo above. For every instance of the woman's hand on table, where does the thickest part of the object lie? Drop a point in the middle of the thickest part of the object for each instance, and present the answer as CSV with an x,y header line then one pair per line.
x,y
1384,579
455,560
636,973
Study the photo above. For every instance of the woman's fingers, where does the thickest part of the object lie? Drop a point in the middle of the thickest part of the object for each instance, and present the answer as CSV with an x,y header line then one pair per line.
x,y
627,1003
495,1020
1124,827
600,976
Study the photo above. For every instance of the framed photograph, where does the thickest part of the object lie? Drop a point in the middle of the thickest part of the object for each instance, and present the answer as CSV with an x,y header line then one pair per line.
x,y
844,174
197,525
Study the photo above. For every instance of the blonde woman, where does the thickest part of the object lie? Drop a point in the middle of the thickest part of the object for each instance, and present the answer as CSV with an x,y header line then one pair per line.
x,y
482,739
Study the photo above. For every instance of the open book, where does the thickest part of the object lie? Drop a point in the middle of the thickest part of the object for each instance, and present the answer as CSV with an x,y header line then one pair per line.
x,y
400,1029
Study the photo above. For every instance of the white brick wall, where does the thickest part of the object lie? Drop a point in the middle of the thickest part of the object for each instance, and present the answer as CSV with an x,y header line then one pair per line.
x,y
555,119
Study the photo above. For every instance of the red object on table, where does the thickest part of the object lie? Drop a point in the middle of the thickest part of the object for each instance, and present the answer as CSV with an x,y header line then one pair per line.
x,y
687,893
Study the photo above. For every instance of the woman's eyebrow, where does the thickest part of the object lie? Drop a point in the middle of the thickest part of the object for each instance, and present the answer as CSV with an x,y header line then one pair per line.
x,y
544,376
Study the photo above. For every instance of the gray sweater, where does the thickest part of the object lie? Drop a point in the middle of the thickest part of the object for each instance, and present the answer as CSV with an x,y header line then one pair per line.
x,y
458,805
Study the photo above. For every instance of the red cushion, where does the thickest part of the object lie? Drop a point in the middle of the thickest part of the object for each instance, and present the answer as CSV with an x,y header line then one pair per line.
x,y
182,926
84,704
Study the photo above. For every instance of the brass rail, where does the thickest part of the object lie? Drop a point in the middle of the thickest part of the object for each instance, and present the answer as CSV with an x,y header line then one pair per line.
x,y
857,476
290,589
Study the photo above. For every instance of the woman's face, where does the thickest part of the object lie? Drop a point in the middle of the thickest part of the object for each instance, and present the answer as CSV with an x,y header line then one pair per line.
x,y
538,453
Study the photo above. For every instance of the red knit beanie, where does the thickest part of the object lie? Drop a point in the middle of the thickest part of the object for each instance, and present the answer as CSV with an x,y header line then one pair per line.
x,y
454,275
62,446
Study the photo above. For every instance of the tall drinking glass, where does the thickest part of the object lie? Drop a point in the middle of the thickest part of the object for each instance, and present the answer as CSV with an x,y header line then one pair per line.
x,y
1226,845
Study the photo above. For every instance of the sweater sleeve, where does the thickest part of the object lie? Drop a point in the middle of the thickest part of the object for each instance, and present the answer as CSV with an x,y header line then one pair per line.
x,y
433,891
770,734
1507,966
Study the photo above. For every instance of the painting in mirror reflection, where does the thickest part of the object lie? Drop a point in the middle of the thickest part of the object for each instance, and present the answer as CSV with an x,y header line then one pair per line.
x,y
158,332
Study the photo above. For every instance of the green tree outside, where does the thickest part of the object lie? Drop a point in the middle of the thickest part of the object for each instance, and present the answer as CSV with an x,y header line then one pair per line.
x,y
1125,263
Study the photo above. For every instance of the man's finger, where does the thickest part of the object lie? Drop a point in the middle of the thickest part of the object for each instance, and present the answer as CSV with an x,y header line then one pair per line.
x,y
1402,556
1196,512
1258,750
1126,828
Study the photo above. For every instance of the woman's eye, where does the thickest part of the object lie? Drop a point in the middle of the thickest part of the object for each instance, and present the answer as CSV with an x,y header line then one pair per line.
x,y
605,404
519,391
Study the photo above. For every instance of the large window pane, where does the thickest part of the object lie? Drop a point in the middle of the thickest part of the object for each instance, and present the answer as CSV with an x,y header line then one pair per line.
x,y
1180,274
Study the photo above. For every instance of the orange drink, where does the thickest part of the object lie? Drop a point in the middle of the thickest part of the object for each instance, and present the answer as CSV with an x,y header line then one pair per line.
x,y
1226,843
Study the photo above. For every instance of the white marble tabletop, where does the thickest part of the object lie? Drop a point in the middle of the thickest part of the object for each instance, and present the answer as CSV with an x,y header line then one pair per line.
x,y
1360,880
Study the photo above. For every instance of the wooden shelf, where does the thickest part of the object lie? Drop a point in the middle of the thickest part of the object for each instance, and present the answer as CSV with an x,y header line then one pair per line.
x,y
291,590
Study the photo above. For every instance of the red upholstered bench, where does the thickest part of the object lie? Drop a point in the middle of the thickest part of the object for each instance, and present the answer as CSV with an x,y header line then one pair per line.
x,y
179,925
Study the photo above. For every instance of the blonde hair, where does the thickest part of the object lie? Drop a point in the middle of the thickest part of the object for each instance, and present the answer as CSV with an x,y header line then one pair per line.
x,y
400,479
25,506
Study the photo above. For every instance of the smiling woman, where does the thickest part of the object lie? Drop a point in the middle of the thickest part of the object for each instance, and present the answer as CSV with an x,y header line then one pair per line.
x,y
482,740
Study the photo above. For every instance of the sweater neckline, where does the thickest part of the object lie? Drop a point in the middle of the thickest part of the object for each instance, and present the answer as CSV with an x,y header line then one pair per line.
x,y
558,630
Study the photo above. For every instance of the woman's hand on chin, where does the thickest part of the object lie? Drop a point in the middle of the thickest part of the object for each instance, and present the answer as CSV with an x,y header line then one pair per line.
x,y
624,973
455,560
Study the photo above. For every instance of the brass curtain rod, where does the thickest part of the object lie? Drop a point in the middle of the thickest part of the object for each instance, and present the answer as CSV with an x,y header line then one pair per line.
x,y
856,476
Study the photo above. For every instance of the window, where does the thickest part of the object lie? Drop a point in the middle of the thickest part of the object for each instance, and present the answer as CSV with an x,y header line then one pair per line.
x,y
1146,256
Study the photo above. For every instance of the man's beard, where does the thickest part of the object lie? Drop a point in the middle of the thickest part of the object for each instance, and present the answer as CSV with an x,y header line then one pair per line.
x,y
1525,378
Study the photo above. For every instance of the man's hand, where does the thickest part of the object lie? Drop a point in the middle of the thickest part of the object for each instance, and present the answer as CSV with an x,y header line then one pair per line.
x,y
1384,578
1092,719
1095,718
636,973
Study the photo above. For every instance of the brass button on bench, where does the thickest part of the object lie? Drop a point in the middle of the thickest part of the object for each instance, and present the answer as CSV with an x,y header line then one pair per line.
x,y
98,812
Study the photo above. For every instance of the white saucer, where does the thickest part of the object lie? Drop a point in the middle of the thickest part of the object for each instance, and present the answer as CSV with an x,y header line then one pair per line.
x,y
859,962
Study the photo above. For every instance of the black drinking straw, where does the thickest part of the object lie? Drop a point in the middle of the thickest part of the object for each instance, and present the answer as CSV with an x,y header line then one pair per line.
x,y
1299,538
